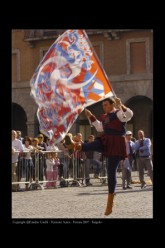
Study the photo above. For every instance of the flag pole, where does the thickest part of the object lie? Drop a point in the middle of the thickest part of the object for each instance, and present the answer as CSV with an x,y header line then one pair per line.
x,y
89,121
124,116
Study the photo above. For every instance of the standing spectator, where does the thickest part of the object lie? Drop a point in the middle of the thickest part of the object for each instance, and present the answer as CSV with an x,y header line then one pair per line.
x,y
47,140
19,163
52,163
111,143
78,157
41,142
27,159
143,149
92,159
36,156
17,147
97,156
42,161
19,136
127,163
88,162
64,160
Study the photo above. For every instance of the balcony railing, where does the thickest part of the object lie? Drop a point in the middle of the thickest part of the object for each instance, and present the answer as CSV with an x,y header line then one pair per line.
x,y
39,34
31,35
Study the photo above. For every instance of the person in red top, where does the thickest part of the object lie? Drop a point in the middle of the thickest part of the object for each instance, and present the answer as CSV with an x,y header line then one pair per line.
x,y
111,143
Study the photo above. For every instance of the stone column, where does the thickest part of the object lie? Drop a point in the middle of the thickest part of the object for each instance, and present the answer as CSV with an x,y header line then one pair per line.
x,y
30,128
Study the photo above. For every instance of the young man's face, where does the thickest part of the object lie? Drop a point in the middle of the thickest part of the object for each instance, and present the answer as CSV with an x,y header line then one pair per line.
x,y
107,106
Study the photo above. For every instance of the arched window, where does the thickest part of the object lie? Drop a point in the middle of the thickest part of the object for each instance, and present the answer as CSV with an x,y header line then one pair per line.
x,y
142,108
19,119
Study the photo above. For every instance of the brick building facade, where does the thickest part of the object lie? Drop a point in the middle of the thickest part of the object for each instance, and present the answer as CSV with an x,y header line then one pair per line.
x,y
126,56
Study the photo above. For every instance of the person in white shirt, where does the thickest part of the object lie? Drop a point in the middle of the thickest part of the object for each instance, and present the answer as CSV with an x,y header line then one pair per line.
x,y
27,161
17,147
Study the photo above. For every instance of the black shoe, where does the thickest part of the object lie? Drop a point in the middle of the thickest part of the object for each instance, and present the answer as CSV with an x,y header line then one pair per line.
x,y
143,186
129,187
124,188
88,184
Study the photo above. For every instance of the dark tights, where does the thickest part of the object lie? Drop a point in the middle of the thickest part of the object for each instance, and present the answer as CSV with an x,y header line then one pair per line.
x,y
112,163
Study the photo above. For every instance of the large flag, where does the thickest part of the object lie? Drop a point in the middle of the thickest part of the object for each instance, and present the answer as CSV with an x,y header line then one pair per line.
x,y
68,79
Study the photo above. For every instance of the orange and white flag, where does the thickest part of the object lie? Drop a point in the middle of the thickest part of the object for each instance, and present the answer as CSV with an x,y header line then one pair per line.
x,y
68,79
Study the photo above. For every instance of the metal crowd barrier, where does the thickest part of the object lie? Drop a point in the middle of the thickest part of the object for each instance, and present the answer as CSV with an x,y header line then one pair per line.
x,y
74,170
33,170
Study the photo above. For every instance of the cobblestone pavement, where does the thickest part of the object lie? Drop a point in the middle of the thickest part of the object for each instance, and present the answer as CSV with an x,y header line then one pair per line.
x,y
83,202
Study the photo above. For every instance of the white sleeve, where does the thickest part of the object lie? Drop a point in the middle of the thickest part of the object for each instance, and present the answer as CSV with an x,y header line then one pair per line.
x,y
125,116
20,146
98,125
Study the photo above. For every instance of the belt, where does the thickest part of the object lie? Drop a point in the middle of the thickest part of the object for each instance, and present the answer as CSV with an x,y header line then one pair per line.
x,y
144,156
